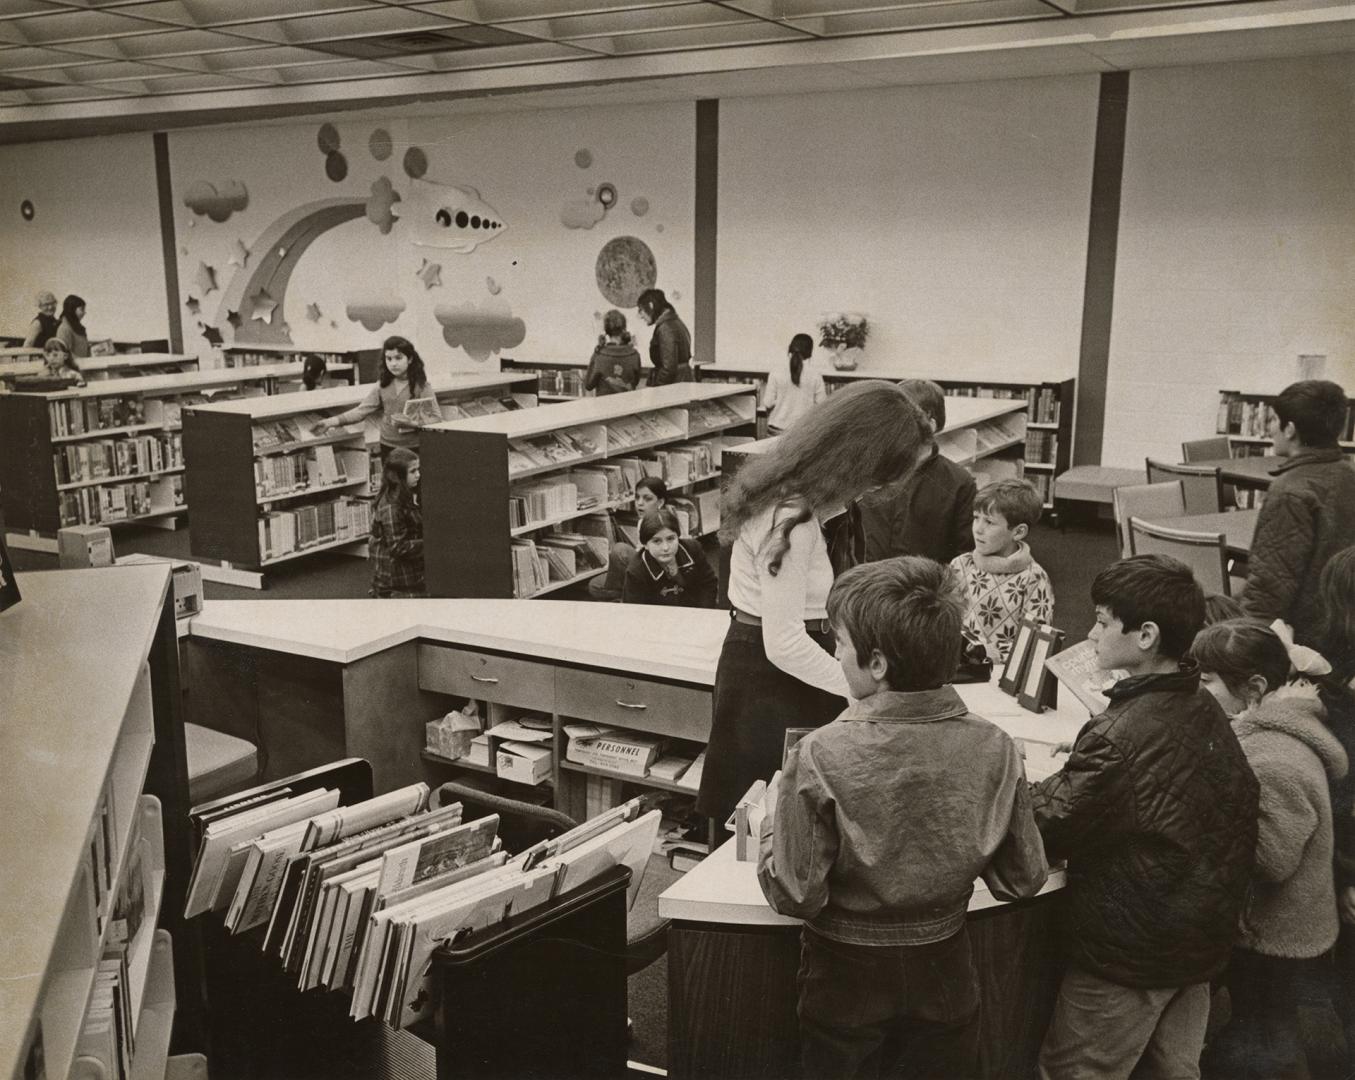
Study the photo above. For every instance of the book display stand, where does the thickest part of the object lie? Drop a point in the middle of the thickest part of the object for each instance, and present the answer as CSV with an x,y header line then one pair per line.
x,y
562,469
281,492
87,989
108,453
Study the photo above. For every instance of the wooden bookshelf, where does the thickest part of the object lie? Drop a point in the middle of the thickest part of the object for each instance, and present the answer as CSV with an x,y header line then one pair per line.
x,y
115,365
224,458
94,768
1245,418
54,454
469,471
1048,444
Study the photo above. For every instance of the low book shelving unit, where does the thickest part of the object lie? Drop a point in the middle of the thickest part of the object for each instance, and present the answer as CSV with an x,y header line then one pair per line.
x,y
480,473
93,784
339,365
1048,406
1245,418
560,380
108,453
280,493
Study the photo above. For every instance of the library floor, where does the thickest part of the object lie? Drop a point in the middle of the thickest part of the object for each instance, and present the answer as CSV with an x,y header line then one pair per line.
x,y
1072,556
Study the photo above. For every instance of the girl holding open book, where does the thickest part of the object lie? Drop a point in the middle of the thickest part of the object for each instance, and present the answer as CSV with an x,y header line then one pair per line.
x,y
396,547
403,381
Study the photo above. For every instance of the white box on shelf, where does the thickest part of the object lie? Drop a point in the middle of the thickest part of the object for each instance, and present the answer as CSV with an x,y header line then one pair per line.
x,y
527,763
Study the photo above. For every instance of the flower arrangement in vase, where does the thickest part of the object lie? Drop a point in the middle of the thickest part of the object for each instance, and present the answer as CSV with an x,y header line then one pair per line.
x,y
843,333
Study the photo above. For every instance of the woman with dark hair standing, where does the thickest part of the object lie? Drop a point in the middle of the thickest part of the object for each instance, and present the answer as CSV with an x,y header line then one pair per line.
x,y
670,346
402,380
776,667
71,330
791,390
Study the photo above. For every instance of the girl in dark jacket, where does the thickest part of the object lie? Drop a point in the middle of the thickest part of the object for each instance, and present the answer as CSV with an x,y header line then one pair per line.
x,y
615,365
670,346
668,570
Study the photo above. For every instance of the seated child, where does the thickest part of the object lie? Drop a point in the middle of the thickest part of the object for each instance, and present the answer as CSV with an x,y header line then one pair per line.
x,y
887,980
1292,914
1002,583
667,570
1155,811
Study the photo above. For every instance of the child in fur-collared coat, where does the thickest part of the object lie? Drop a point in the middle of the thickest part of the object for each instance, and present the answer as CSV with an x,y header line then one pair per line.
x,y
1291,915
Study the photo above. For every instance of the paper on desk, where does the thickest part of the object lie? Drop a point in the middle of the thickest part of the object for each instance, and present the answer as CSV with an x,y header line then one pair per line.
x,y
581,730
519,732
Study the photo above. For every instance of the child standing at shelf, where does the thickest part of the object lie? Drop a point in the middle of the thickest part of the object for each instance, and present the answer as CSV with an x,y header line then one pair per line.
x,y
615,365
887,980
402,380
396,550
792,389
1002,583
58,363
668,570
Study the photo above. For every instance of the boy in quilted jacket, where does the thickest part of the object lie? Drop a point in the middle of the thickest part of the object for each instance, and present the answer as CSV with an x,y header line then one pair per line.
x,y
1309,511
1155,811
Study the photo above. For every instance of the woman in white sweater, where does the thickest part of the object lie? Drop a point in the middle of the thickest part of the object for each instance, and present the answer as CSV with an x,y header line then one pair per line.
x,y
776,668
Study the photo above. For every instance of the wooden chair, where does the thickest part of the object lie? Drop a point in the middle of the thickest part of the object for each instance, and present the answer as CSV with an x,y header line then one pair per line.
x,y
1163,500
1211,449
1205,553
1201,485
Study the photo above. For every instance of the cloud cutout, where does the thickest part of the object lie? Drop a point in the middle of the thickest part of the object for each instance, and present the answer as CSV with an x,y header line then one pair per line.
x,y
481,331
203,198
582,213
376,313
383,197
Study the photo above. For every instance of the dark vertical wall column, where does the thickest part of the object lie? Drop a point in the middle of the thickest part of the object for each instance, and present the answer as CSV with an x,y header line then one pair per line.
x,y
168,246
707,227
1098,295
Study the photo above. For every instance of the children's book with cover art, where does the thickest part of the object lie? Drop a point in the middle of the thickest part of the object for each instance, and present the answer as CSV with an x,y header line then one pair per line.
x,y
422,411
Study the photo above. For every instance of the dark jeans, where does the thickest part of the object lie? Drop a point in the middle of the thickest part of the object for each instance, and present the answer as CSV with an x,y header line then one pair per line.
x,y
888,1010
1262,1040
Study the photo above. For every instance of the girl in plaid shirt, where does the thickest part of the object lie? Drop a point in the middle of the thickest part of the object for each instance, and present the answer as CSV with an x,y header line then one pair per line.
x,y
396,548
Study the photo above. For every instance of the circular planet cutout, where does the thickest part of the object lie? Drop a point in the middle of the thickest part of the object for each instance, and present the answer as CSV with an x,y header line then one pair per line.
x,y
415,162
607,195
583,158
380,144
26,210
327,138
625,268
639,206
336,166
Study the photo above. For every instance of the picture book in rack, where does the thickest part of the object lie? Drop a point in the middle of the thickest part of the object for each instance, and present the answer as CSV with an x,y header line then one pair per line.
x,y
358,897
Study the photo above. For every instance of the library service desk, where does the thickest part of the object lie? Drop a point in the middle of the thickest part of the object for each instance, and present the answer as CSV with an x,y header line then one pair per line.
x,y
317,680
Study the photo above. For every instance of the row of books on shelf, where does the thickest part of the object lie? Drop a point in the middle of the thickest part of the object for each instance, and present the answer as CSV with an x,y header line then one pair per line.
x,y
555,557
313,467
560,382
134,456
480,406
102,503
237,358
1042,446
357,898
554,448
1001,431
1042,482
282,532
268,435
77,416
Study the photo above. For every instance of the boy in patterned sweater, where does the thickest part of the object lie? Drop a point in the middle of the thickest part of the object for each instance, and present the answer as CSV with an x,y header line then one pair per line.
x,y
1002,583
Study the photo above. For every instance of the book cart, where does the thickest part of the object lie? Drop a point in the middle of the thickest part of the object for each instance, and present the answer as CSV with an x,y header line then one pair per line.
x,y
280,493
1048,443
95,850
517,504
495,1015
108,453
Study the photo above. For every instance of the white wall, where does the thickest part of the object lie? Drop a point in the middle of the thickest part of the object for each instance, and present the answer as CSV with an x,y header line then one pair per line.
x,y
95,232
954,216
1237,243
523,165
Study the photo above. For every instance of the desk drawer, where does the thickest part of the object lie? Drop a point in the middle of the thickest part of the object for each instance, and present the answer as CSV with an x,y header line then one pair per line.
x,y
501,679
634,703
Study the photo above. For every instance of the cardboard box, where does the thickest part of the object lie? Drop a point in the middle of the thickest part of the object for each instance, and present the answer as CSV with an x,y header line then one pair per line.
x,y
187,581
479,752
630,753
527,763
84,545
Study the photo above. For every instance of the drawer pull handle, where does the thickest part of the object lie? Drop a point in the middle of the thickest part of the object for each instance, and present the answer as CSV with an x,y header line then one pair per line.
x,y
484,679
630,704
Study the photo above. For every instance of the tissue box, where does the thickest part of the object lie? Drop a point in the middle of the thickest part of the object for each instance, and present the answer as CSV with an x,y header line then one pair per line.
x,y
527,763
84,545
451,735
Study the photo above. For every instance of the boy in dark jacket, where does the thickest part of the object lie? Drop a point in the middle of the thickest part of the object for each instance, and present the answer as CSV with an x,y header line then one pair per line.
x,y
887,982
929,513
1156,813
1309,512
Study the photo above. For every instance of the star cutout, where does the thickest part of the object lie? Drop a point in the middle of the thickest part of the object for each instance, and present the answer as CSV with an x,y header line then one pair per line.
x,y
233,317
239,255
313,312
430,274
211,333
263,307
193,305
206,278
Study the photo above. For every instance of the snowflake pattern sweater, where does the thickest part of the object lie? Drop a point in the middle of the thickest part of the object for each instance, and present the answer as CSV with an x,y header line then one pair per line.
x,y
999,592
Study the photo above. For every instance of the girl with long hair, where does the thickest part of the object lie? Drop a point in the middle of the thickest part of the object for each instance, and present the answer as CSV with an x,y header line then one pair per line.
x,y
792,389
396,545
670,346
71,329
402,380
776,667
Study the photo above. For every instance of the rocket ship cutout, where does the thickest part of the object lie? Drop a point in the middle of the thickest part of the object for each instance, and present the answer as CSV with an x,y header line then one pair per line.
x,y
448,216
